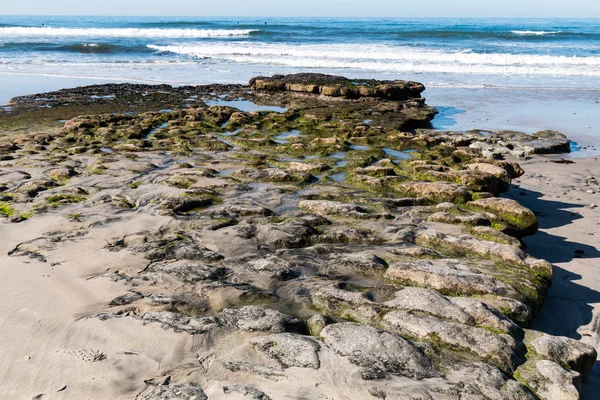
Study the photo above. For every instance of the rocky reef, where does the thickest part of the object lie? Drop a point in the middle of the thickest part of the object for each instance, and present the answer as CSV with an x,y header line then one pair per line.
x,y
312,231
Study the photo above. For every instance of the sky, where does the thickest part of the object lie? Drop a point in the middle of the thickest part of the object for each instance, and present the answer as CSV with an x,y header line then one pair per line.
x,y
324,8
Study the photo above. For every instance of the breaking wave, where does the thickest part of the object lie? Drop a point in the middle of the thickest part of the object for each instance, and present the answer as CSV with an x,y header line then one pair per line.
x,y
391,59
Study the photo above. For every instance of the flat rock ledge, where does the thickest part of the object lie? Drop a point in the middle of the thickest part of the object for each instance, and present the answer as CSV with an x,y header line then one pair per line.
x,y
318,239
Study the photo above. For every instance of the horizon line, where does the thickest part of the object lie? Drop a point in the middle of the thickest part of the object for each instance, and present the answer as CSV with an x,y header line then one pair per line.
x,y
295,16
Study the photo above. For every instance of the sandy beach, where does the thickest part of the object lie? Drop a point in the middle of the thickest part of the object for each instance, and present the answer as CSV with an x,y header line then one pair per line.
x,y
562,195
198,248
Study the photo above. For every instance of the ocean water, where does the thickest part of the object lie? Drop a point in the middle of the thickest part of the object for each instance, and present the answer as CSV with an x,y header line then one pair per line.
x,y
442,53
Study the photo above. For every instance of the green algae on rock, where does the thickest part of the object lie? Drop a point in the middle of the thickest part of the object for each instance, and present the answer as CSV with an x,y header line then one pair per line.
x,y
249,229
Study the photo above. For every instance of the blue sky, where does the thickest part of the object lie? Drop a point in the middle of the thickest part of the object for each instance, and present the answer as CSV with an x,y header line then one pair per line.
x,y
341,8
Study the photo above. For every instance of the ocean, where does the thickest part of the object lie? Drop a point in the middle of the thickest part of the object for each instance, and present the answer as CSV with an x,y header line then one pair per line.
x,y
558,53
477,71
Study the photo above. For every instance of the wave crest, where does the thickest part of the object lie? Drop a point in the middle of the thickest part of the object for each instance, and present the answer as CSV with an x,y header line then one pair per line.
x,y
536,33
383,58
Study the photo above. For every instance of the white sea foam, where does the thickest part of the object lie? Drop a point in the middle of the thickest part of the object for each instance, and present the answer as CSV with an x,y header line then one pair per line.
x,y
535,33
122,32
389,58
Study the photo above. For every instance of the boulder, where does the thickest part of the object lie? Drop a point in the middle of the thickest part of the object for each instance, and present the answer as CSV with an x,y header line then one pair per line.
x,y
271,267
501,350
430,302
494,170
260,319
565,351
487,316
246,391
549,380
289,349
362,263
179,322
326,207
316,323
510,211
378,350
483,381
186,270
448,276
185,391
437,191
467,245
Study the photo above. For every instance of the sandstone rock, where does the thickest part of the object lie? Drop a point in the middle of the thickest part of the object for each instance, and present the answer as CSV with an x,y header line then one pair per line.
x,y
567,352
487,233
522,218
516,310
345,234
260,319
446,276
126,299
335,86
548,142
62,174
186,271
178,247
362,263
316,323
373,349
483,381
549,380
185,391
437,191
498,172
290,350
428,301
302,87
339,299
468,219
262,370
245,210
486,316
295,166
181,323
467,245
514,170
500,350
326,207
184,204
273,175
246,391
285,235
270,266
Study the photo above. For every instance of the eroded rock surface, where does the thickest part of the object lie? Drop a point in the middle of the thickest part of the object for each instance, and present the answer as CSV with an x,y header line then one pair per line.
x,y
231,229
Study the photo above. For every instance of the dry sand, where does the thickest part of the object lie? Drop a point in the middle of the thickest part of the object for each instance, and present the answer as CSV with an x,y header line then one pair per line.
x,y
61,339
52,351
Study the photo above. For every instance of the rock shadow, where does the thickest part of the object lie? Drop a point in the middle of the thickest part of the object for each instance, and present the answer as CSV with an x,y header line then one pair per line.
x,y
550,213
567,302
